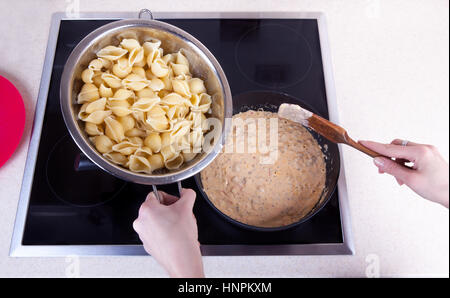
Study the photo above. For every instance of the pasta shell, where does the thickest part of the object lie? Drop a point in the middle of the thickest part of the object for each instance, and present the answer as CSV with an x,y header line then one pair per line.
x,y
122,94
153,141
171,113
116,158
168,153
106,63
121,111
97,105
152,56
195,100
149,74
82,113
169,58
119,107
140,71
125,148
166,139
159,68
111,53
103,144
111,80
114,130
96,65
157,111
156,161
158,123
127,122
111,103
145,104
144,152
88,93
181,59
188,156
146,92
130,44
175,162
163,93
97,79
183,77
136,56
167,83
87,75
196,86
196,119
181,87
122,68
139,164
136,140
141,63
139,116
174,99
135,132
135,82
180,129
93,129
204,103
142,125
179,69
105,91
156,84
150,45
180,112
97,117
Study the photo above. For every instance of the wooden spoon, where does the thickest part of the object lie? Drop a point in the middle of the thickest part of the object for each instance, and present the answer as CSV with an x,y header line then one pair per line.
x,y
327,129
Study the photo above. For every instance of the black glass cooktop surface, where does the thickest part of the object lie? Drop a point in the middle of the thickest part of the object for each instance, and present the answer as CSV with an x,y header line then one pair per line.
x,y
69,207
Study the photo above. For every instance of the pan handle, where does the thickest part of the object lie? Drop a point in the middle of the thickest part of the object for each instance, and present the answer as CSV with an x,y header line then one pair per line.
x,y
155,191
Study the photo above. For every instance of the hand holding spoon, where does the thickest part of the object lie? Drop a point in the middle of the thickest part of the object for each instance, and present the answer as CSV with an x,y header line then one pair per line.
x,y
327,129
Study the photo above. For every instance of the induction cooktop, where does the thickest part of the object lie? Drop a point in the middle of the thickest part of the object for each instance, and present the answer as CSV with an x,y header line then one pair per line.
x,y
65,211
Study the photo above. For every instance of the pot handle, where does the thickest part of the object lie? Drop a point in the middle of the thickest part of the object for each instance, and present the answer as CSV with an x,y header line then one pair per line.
x,y
82,163
144,12
155,191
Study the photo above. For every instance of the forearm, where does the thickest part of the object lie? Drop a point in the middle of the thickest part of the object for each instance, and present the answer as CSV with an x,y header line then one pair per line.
x,y
188,265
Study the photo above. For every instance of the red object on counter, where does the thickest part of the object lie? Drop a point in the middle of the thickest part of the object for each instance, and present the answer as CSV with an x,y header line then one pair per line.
x,y
12,119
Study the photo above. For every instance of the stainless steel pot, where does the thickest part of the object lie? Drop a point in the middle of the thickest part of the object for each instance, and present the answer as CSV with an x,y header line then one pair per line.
x,y
203,65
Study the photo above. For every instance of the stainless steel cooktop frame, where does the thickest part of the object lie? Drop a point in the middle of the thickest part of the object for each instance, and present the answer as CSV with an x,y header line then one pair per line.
x,y
17,249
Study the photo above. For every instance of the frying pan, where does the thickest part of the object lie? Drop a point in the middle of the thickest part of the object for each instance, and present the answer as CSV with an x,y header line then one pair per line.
x,y
270,101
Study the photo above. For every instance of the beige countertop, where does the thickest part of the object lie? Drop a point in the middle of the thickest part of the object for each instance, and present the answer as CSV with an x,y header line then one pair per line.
x,y
391,68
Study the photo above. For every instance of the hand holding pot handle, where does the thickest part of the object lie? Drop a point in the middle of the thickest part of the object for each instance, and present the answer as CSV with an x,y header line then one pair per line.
x,y
156,193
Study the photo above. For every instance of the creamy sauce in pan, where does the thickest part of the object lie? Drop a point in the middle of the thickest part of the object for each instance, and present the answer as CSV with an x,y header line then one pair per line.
x,y
268,195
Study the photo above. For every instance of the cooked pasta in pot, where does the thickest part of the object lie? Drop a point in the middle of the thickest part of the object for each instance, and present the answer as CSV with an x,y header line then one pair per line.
x,y
142,109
